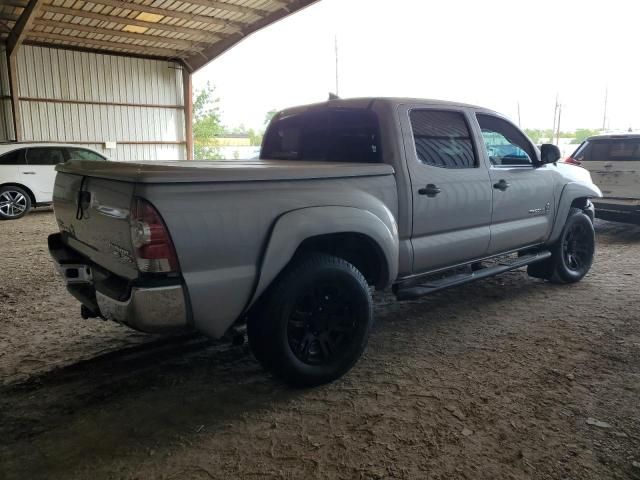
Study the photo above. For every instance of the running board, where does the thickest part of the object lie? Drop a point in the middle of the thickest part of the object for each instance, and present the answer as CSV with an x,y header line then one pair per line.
x,y
417,291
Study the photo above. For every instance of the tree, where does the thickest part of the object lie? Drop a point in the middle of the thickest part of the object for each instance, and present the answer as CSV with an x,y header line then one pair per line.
x,y
270,114
583,133
533,134
206,123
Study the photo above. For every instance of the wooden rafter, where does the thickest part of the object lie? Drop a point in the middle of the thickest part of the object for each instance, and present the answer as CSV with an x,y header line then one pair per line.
x,y
22,26
198,60
135,7
15,3
200,35
228,7
173,42
105,44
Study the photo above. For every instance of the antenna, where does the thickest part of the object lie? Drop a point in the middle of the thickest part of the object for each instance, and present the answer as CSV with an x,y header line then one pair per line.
x,y
604,118
335,39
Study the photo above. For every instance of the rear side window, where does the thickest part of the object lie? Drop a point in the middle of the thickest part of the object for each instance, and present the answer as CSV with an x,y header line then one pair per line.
x,y
15,157
327,135
82,154
442,139
609,150
45,156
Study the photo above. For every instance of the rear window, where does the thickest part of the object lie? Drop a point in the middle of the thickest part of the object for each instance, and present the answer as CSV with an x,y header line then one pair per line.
x,y
13,158
610,150
327,135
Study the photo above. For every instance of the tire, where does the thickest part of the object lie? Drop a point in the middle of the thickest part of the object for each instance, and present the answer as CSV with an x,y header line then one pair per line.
x,y
315,322
572,255
14,203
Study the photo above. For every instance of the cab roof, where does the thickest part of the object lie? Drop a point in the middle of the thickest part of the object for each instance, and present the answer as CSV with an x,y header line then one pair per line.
x,y
367,102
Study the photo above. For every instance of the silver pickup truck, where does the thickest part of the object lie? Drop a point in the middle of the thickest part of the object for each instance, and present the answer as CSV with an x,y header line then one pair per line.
x,y
416,195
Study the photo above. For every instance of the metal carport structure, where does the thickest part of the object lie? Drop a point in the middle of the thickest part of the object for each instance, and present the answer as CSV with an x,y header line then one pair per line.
x,y
186,34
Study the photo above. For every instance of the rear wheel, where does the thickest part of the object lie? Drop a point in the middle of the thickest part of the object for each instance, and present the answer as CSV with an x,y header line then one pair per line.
x,y
14,203
572,255
315,323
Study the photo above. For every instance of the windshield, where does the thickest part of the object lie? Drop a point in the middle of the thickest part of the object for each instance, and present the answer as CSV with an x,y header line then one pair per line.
x,y
327,135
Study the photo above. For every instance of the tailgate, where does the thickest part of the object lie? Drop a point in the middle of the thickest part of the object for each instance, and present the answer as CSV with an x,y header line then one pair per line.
x,y
93,217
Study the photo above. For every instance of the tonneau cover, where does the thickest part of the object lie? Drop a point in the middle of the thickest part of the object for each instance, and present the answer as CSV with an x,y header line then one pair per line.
x,y
197,171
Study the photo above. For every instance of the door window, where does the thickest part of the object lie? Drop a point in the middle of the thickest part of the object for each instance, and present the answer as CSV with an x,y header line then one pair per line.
x,y
15,157
82,154
504,143
442,139
45,156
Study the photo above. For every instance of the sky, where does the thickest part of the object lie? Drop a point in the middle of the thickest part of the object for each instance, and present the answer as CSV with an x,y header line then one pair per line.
x,y
493,53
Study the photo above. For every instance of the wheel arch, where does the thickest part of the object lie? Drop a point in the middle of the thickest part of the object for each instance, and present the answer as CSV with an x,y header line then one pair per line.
x,y
334,230
32,197
574,195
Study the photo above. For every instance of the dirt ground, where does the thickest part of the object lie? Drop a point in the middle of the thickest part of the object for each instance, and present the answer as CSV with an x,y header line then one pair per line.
x,y
506,378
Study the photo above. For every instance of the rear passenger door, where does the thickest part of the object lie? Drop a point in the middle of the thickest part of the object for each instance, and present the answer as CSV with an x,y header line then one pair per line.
x,y
450,188
41,162
523,190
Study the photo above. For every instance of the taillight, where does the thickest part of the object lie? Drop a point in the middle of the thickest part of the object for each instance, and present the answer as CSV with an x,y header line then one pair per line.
x,y
572,161
153,246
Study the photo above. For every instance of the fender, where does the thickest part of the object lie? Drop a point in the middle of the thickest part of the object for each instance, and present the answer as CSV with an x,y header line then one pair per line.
x,y
570,192
292,228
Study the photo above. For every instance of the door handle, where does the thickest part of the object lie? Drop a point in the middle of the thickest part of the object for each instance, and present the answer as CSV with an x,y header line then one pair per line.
x,y
28,173
430,190
502,185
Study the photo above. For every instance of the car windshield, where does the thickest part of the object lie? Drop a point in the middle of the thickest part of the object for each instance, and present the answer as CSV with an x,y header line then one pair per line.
x,y
327,135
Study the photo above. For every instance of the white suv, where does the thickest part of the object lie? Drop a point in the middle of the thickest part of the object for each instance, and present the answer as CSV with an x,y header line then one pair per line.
x,y
614,163
27,174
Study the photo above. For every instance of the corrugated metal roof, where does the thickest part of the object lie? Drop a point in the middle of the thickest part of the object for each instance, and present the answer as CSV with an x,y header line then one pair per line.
x,y
193,32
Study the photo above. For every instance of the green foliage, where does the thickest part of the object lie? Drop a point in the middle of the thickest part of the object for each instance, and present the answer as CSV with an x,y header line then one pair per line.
x,y
206,124
269,115
583,133
533,134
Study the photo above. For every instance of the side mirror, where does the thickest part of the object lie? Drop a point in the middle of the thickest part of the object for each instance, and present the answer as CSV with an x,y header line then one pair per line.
x,y
549,153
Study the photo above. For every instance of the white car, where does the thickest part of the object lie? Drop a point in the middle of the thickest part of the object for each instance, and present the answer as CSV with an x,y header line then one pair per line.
x,y
27,174
614,163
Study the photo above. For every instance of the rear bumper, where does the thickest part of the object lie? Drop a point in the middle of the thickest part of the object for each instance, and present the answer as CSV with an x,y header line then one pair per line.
x,y
153,309
158,309
626,211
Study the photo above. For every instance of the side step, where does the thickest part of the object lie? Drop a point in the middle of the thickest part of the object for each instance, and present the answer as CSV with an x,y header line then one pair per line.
x,y
408,293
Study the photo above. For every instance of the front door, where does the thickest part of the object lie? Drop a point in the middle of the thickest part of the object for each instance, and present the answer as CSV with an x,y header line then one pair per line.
x,y
523,190
450,188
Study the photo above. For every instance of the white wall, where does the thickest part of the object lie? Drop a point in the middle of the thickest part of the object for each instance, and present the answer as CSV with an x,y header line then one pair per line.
x,y
68,96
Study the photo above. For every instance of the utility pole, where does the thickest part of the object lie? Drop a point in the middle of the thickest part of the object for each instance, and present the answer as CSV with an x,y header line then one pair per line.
x,y
337,70
519,122
604,118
